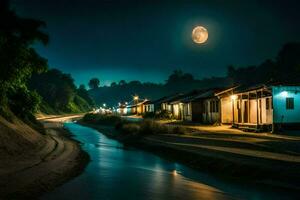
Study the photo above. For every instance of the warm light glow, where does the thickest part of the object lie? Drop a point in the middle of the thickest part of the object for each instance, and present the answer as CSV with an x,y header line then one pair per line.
x,y
175,172
136,98
284,94
199,34
233,97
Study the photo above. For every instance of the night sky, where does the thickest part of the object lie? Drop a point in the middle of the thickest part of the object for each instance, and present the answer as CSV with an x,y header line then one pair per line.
x,y
147,40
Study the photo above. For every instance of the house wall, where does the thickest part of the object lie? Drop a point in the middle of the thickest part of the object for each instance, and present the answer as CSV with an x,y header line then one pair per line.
x,y
226,110
211,113
148,108
176,111
187,111
264,114
281,114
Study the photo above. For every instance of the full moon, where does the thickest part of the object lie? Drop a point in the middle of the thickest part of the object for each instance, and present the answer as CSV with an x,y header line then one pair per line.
x,y
199,34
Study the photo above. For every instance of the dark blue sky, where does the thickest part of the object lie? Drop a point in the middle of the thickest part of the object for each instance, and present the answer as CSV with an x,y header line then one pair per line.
x,y
147,40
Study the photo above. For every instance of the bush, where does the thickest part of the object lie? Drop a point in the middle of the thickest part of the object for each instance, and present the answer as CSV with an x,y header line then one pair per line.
x,y
102,119
130,129
147,127
163,114
149,115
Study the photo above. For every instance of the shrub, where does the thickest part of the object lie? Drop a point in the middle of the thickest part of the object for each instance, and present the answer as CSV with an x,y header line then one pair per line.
x,y
149,115
163,114
102,119
130,129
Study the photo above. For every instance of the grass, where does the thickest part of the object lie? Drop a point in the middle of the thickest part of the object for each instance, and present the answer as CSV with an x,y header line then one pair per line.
x,y
100,119
148,127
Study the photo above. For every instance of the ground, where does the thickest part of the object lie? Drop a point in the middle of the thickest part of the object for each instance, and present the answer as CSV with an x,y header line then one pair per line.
x,y
267,157
30,174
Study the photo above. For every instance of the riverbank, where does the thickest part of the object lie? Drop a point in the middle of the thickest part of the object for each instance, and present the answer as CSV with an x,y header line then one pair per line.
x,y
256,159
56,160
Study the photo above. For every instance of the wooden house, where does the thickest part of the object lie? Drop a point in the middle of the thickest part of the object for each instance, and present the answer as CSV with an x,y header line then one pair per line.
x,y
136,108
203,108
261,107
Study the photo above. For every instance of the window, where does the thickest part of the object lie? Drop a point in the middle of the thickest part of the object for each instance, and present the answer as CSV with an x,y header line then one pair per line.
x,y
267,103
289,103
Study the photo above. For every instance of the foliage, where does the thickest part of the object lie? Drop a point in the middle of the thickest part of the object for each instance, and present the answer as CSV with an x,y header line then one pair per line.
x,y
148,127
284,69
83,93
94,83
59,92
149,115
19,60
23,102
163,114
102,119
123,91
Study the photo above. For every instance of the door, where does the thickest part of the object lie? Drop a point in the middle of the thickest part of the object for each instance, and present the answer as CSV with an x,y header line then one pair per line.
x,y
246,110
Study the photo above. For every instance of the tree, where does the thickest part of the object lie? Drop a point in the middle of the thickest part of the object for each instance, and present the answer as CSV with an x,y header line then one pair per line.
x,y
83,93
288,63
113,84
18,59
56,88
94,83
122,82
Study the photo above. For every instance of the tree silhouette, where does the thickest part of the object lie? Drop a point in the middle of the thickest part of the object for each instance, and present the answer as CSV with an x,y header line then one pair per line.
x,y
94,83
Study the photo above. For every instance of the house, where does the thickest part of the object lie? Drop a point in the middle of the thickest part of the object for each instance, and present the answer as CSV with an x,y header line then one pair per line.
x,y
122,109
177,104
203,108
136,108
261,107
166,105
149,107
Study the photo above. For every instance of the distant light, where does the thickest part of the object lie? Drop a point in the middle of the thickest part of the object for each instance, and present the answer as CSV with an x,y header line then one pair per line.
x,y
126,103
175,172
119,103
233,97
284,94
136,98
104,105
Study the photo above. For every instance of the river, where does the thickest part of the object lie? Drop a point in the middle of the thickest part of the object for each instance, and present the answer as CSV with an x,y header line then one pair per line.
x,y
118,172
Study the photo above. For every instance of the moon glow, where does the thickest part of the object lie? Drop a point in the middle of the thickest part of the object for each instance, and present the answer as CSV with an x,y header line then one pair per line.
x,y
199,35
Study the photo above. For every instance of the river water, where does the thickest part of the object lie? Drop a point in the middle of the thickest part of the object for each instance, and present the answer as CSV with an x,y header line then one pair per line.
x,y
118,172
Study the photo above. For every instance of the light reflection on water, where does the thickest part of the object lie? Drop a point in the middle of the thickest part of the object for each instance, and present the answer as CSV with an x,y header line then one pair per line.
x,y
116,172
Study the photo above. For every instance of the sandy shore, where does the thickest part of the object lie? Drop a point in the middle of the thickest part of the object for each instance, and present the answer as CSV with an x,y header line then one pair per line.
x,y
29,175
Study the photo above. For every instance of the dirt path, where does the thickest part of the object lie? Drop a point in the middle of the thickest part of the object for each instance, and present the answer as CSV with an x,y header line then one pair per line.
x,y
60,159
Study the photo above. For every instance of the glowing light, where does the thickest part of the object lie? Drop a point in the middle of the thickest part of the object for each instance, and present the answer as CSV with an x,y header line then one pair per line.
x,y
104,105
199,35
233,97
136,98
284,94
175,172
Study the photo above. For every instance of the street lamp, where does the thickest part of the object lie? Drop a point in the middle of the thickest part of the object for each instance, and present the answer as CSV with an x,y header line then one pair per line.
x,y
136,98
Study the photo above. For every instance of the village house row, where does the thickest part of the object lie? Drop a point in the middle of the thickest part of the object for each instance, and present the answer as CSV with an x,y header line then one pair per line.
x,y
259,108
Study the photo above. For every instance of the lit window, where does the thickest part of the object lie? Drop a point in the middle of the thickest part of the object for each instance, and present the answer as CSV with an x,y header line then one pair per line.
x,y
289,103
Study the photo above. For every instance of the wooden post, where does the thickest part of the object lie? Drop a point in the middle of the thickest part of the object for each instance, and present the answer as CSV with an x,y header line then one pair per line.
x,y
232,102
257,122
